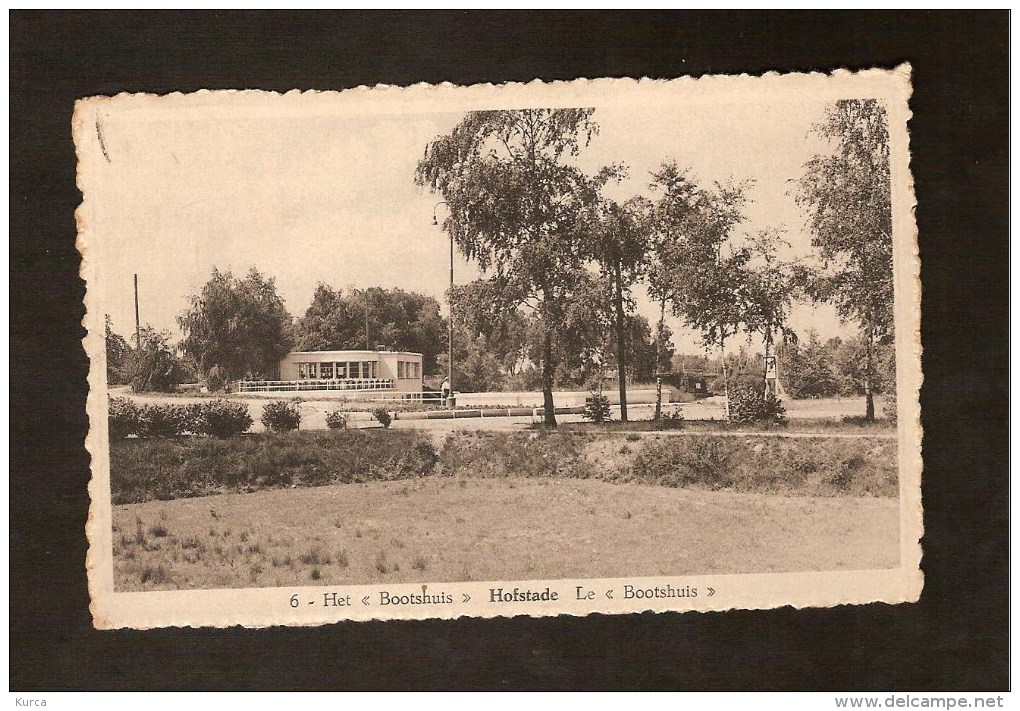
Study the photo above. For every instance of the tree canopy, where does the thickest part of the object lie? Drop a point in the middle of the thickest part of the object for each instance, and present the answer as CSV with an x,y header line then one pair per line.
x,y
117,353
846,194
367,318
238,326
515,206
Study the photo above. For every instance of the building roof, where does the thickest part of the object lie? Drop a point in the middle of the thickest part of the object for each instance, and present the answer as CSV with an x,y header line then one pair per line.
x,y
351,354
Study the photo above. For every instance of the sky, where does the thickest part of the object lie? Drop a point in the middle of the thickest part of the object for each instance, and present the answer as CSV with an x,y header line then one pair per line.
x,y
322,193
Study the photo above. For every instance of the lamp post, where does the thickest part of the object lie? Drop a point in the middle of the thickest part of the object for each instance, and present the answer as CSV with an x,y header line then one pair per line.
x,y
449,362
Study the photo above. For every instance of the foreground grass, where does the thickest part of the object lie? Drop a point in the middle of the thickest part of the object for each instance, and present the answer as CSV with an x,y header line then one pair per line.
x,y
464,528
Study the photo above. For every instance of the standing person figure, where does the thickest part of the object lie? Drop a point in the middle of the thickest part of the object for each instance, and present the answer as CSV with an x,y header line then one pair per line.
x,y
446,391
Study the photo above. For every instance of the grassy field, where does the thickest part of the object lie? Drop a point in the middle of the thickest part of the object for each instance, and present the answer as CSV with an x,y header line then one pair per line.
x,y
439,529
398,506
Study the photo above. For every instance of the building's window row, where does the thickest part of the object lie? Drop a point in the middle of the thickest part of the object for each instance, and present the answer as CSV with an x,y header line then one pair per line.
x,y
350,370
408,370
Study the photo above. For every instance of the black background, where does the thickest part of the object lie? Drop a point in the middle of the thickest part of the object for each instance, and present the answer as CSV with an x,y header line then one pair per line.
x,y
955,638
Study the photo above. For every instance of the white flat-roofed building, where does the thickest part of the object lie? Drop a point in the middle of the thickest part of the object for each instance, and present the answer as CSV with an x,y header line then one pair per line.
x,y
399,372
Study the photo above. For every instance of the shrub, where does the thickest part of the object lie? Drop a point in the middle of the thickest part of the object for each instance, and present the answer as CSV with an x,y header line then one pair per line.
x,y
383,416
124,418
596,408
143,470
889,407
167,420
750,404
672,421
281,416
216,380
223,418
336,420
681,461
154,367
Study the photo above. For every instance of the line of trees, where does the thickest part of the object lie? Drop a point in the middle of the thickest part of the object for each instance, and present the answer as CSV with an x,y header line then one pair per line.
x,y
561,255
561,261
239,328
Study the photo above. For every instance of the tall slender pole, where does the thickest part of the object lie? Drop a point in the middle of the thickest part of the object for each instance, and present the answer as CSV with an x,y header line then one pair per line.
x,y
138,322
450,359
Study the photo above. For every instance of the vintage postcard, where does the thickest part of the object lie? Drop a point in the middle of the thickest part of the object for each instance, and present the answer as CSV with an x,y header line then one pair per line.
x,y
602,346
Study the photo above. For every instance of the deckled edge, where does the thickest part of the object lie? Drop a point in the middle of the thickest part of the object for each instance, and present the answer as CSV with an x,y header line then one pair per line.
x,y
96,440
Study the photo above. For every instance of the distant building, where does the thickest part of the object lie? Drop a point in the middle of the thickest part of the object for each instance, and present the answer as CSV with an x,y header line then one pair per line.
x,y
399,372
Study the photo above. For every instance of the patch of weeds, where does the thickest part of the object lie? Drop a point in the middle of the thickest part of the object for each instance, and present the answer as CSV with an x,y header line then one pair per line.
x,y
315,574
459,519
316,556
191,542
244,537
256,549
256,571
158,531
843,478
343,559
337,523
156,576
633,437
624,449
419,563
380,563
357,533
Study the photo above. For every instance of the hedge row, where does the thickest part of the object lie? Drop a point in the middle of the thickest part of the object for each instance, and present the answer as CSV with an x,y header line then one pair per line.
x,y
148,469
218,418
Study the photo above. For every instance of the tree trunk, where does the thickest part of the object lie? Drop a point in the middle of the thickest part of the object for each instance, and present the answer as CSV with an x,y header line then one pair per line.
x,y
621,344
725,374
869,395
548,370
658,359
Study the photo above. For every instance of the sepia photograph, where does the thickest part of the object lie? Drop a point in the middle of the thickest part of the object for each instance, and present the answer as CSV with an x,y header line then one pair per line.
x,y
608,345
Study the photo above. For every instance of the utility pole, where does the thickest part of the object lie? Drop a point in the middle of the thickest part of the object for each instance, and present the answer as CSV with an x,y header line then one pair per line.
x,y
449,360
138,322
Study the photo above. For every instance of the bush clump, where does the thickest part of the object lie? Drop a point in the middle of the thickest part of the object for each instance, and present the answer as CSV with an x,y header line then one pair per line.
x,y
125,418
219,418
382,416
336,420
696,460
596,408
223,418
144,470
889,407
216,380
749,403
671,421
169,420
281,416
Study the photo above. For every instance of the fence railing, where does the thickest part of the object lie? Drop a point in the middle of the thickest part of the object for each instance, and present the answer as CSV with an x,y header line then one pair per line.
x,y
273,386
